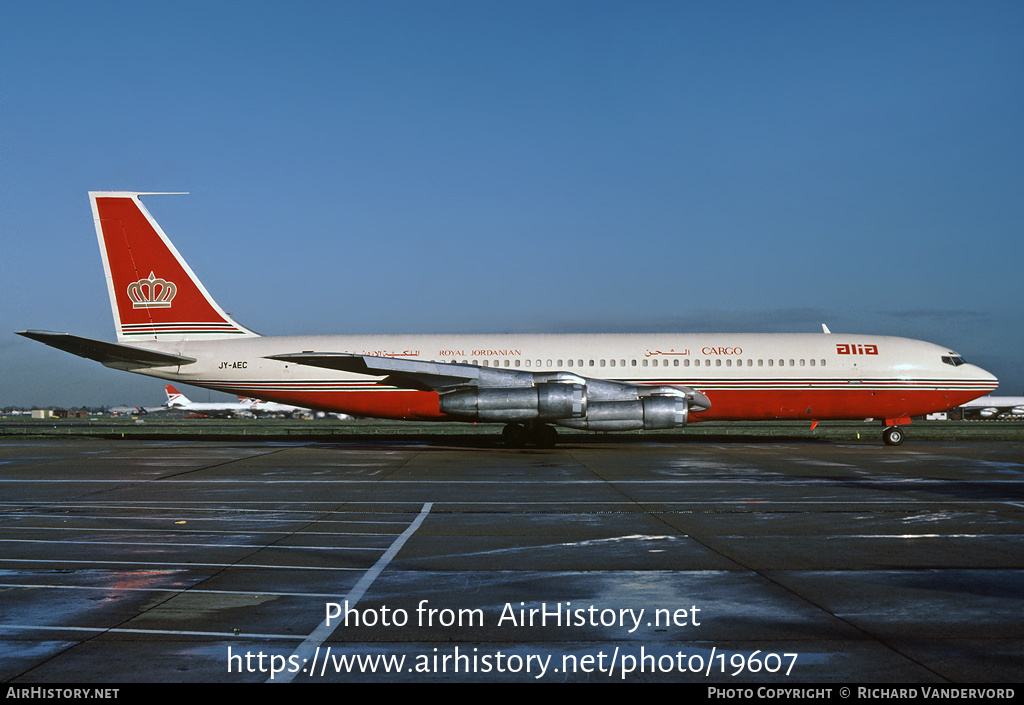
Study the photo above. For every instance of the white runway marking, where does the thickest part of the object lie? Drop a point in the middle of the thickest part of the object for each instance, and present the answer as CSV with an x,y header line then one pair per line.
x,y
321,633
140,544
310,643
173,591
162,564
161,632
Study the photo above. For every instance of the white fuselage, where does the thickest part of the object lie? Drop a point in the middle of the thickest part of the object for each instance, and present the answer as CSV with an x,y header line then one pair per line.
x,y
745,376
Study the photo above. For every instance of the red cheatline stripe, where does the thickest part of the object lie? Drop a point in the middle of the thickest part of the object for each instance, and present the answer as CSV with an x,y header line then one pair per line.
x,y
708,385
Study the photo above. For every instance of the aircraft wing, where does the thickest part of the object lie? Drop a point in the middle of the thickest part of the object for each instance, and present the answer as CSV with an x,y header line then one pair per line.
x,y
417,374
110,354
451,377
991,406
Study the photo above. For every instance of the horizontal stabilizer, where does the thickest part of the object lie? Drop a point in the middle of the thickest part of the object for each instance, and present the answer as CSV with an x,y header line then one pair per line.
x,y
111,354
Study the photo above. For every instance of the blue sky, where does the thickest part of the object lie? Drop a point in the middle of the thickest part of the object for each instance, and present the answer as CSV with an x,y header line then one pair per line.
x,y
436,166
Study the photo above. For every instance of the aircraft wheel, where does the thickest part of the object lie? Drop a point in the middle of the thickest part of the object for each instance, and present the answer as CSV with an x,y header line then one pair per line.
x,y
545,436
893,436
514,435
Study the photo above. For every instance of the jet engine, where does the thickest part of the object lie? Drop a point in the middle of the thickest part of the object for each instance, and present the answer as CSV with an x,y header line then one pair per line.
x,y
543,402
648,413
603,408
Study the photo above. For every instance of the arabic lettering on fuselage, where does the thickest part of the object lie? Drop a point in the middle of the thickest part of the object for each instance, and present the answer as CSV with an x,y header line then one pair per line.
x,y
391,353
673,351
481,353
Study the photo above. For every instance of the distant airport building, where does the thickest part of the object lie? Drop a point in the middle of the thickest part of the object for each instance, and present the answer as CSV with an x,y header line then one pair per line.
x,y
58,414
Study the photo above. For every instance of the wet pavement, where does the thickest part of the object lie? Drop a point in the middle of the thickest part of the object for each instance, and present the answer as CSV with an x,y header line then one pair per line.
x,y
729,562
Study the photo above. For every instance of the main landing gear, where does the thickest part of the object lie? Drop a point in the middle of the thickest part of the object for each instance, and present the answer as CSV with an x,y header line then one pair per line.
x,y
541,435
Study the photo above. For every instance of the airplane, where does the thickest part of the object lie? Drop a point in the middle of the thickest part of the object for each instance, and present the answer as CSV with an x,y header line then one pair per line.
x,y
177,400
272,408
135,410
992,407
244,407
261,407
169,326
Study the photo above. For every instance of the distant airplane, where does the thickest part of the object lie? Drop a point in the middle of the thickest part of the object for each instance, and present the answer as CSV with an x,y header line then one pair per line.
x,y
168,326
122,410
272,408
245,407
991,407
176,400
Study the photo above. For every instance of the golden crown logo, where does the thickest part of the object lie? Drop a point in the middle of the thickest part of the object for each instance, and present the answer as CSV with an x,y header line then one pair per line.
x,y
151,293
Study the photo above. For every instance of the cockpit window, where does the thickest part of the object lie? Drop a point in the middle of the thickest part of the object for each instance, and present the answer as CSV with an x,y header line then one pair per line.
x,y
954,360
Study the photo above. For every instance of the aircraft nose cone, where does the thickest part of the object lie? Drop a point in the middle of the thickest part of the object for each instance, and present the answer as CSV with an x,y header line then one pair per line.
x,y
990,378
982,380
985,376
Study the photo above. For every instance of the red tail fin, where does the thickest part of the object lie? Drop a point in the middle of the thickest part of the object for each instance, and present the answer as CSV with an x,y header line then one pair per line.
x,y
153,292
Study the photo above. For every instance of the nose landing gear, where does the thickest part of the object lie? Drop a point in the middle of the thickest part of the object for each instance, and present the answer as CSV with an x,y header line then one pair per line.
x,y
893,436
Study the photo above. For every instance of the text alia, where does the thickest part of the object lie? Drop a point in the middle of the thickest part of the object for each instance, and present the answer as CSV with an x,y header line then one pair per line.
x,y
850,349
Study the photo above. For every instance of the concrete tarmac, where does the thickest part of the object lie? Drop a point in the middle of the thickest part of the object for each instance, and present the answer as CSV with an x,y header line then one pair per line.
x,y
395,561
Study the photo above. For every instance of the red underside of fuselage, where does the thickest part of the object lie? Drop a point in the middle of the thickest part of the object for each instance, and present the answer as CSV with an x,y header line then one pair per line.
x,y
726,405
